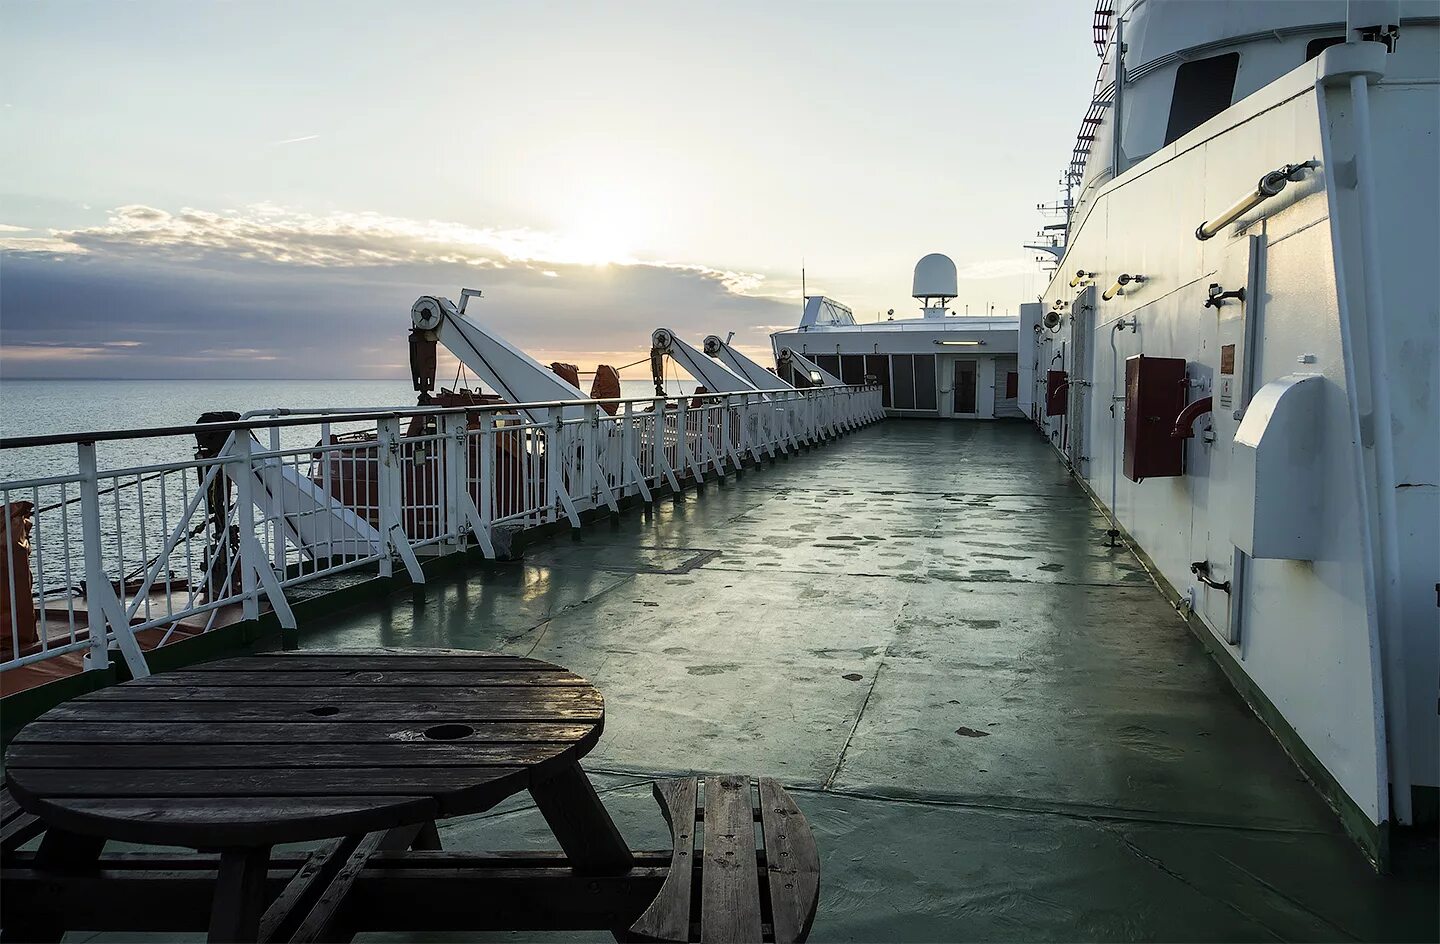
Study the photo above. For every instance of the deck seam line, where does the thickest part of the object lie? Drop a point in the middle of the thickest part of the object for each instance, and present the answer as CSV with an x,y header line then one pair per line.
x,y
950,802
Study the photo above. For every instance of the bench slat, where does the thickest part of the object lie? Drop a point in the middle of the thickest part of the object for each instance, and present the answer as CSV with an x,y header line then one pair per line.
x,y
317,925
17,827
284,912
668,917
729,892
792,863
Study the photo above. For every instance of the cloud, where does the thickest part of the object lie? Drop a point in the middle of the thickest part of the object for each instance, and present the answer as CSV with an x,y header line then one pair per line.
x,y
306,137
269,291
343,239
7,228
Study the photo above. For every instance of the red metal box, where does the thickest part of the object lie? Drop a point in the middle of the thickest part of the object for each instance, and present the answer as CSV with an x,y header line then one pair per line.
x,y
1154,396
1056,392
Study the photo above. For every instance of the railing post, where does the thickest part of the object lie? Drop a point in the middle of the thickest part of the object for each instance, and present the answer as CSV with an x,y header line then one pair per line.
x,y
553,472
590,460
627,446
98,657
486,508
454,466
277,526
106,615
243,475
387,470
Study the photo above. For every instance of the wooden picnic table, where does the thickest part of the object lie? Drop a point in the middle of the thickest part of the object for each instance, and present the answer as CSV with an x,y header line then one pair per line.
x,y
239,755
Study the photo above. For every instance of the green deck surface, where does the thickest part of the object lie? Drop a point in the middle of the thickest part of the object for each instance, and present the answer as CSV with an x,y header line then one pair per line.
x,y
996,725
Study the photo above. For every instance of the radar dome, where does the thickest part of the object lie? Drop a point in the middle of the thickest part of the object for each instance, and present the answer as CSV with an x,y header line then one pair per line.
x,y
934,277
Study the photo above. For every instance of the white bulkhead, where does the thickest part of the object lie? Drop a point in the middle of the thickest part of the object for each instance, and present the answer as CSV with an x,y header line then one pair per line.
x,y
1301,532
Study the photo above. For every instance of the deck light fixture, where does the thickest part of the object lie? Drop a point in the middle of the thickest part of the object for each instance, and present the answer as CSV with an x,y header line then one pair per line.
x,y
1119,287
1269,186
959,343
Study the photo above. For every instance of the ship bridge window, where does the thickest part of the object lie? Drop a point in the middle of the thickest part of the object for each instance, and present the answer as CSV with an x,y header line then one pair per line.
x,y
1316,46
1203,89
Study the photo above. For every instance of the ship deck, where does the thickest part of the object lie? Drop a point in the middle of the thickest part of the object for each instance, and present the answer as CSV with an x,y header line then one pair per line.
x,y
997,726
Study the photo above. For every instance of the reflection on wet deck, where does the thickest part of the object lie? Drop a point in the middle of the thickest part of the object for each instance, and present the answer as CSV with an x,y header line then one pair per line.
x,y
997,726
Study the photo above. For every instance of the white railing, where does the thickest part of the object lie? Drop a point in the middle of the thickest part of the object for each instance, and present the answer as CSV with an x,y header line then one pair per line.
x,y
163,550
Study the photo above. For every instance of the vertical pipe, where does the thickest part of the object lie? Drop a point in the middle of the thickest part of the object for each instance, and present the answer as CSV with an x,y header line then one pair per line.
x,y
1117,157
1388,577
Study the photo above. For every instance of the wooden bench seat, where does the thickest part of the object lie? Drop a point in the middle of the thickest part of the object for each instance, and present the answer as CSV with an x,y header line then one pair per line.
x,y
728,881
17,827
308,907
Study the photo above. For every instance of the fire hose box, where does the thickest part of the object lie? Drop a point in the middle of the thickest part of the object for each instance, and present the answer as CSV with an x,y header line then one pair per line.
x,y
1154,397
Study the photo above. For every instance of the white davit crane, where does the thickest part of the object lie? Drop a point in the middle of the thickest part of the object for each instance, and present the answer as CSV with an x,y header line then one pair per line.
x,y
509,371
738,363
818,376
712,375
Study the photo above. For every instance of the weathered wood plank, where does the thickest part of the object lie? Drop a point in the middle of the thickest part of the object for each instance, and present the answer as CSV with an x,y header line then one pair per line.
x,y
239,895
318,924
18,830
9,809
217,822
317,694
114,733
451,785
296,746
61,854
305,661
730,885
289,907
792,863
417,892
382,677
578,706
309,756
578,819
668,916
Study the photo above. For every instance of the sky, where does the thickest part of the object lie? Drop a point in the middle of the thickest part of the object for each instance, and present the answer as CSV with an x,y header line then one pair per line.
x,y
253,189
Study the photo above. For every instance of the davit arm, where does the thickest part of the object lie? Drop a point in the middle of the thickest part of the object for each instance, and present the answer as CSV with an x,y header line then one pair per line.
x,y
738,363
506,369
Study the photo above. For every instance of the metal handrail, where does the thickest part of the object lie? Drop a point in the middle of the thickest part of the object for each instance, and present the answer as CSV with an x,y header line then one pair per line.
x,y
301,417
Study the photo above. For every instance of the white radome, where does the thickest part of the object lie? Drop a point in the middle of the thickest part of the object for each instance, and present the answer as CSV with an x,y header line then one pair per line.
x,y
934,277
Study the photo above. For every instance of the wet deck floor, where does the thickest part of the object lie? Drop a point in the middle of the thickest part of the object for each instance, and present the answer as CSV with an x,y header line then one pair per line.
x,y
996,725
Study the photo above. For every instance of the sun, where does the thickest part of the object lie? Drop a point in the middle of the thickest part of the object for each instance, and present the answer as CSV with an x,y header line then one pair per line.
x,y
604,230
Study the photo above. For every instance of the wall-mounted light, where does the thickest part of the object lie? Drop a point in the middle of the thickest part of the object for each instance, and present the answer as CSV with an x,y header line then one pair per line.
x,y
1269,186
959,343
1082,276
1119,287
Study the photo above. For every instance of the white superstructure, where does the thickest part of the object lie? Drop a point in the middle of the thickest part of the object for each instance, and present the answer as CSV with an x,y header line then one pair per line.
x,y
1264,234
937,365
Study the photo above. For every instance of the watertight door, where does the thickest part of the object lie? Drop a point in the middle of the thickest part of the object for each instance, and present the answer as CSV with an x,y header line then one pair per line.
x,y
965,375
1220,373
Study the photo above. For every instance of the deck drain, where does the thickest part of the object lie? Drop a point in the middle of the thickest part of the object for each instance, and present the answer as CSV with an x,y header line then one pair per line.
x,y
324,711
449,732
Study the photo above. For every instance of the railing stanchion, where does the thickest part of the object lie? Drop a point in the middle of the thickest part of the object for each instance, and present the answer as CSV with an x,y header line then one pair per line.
x,y
452,440
391,490
243,475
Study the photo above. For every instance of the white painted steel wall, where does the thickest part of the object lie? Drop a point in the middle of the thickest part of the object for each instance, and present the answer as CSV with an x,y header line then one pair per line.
x,y
1346,671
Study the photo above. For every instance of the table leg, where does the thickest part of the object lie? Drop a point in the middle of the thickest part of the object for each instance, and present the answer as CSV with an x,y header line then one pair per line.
x,y
578,819
64,853
239,895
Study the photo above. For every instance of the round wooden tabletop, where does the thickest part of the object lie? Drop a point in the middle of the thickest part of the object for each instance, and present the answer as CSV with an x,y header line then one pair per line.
x,y
286,747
